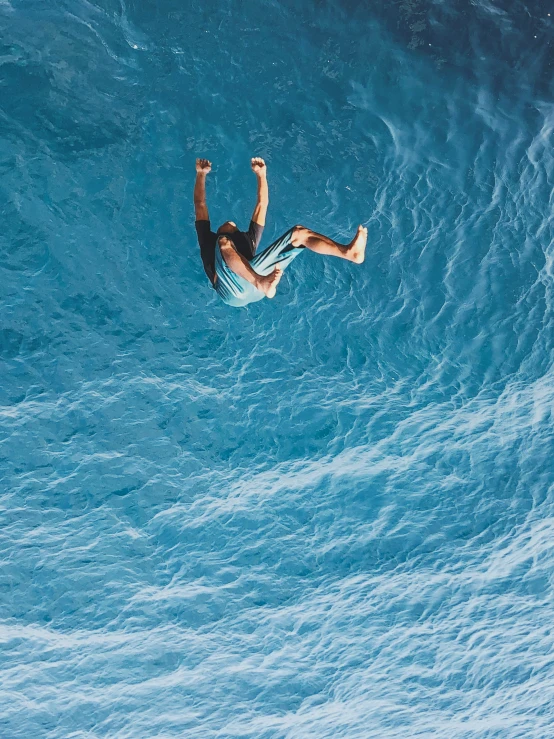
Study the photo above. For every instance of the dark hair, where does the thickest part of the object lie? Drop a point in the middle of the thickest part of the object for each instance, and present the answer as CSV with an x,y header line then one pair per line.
x,y
219,231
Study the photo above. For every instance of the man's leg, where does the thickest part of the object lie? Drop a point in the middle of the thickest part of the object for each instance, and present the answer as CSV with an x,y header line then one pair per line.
x,y
240,266
354,251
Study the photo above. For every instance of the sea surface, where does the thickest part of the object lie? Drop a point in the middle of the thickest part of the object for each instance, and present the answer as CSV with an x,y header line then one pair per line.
x,y
327,515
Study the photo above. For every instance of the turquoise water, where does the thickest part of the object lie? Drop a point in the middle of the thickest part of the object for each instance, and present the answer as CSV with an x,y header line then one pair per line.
x,y
326,515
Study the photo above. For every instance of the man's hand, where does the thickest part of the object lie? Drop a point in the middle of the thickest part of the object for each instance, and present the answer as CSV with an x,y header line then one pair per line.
x,y
258,166
204,166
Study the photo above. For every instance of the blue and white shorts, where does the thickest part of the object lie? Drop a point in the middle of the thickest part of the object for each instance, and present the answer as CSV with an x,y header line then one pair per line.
x,y
235,290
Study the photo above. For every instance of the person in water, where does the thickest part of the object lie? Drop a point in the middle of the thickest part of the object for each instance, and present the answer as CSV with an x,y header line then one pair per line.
x,y
239,274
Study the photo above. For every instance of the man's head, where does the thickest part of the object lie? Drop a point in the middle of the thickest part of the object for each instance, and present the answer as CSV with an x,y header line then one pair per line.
x,y
227,228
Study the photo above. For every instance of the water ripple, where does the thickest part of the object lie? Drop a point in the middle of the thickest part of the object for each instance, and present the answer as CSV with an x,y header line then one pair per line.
x,y
326,515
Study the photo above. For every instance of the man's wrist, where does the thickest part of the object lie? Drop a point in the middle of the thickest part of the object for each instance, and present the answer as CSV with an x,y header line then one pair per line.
x,y
261,175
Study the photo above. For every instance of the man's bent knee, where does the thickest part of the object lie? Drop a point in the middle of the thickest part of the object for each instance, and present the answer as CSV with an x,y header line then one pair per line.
x,y
299,234
228,251
225,244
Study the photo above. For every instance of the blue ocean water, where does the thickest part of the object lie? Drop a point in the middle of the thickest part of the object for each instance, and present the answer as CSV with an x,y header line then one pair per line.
x,y
326,515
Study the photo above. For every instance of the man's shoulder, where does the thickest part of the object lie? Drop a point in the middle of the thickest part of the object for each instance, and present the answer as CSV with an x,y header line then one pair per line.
x,y
255,232
204,232
203,226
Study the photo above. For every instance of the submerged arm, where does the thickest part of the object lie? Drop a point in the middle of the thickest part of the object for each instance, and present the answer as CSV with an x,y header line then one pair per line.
x,y
260,211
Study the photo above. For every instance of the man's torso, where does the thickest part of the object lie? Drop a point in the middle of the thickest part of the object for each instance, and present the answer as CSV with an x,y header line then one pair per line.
x,y
245,242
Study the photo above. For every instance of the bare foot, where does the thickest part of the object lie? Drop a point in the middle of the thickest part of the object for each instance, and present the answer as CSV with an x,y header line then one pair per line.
x,y
356,248
268,284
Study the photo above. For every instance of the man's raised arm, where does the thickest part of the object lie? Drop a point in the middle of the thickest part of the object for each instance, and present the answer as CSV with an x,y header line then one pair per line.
x,y
203,166
260,211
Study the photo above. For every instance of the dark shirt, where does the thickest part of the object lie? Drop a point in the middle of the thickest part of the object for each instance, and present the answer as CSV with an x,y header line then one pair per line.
x,y
245,242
